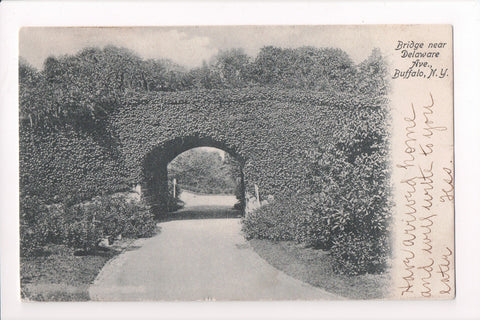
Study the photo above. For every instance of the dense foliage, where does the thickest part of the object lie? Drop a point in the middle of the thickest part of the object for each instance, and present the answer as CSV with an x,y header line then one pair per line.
x,y
84,225
284,219
268,130
306,124
348,210
352,203
88,85
348,207
205,171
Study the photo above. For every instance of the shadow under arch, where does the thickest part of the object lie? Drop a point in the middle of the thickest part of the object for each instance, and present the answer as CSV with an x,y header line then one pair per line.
x,y
155,174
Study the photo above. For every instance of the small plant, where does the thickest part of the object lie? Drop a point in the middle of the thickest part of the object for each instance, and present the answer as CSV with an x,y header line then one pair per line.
x,y
118,216
83,230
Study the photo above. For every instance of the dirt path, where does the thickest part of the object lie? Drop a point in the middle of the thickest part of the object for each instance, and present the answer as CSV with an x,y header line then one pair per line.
x,y
192,199
197,260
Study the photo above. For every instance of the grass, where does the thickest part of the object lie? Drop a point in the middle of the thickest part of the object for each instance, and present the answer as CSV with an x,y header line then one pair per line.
x,y
56,274
315,267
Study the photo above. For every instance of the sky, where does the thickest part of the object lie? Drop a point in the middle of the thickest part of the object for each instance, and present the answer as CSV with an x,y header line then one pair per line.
x,y
190,46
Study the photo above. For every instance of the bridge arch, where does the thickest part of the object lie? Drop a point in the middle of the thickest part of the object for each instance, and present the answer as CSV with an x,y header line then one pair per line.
x,y
155,174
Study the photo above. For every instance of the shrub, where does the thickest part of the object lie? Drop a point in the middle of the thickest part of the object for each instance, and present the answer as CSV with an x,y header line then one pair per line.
x,y
39,224
139,223
82,226
82,230
83,234
360,253
347,206
278,220
110,212
51,223
353,204
119,216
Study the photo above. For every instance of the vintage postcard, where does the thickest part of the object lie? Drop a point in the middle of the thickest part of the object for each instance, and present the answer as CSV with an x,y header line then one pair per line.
x,y
225,163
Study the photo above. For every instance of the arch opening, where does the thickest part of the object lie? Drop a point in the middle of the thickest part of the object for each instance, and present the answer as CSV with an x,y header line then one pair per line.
x,y
157,184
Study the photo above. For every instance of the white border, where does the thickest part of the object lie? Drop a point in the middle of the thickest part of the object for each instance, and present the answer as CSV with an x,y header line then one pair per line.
x,y
465,17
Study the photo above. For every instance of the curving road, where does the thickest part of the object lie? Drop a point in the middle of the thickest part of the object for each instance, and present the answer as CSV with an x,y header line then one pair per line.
x,y
189,260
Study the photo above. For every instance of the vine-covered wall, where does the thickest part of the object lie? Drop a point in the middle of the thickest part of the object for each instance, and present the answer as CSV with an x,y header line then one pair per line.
x,y
67,165
270,131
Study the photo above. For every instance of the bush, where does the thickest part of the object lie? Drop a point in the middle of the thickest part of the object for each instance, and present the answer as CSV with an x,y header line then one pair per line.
x,y
118,216
51,223
313,226
30,242
268,222
139,222
278,220
84,234
292,218
347,207
39,224
82,226
350,215
360,253
353,203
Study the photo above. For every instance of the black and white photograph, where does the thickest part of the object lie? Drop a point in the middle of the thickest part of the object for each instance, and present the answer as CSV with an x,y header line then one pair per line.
x,y
236,163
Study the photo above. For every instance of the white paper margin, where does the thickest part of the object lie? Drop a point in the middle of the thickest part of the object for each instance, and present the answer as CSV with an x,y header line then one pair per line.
x,y
465,17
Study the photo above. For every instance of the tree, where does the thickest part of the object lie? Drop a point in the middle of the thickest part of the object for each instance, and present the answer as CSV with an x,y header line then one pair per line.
x,y
31,88
83,88
372,75
205,171
232,67
305,67
270,65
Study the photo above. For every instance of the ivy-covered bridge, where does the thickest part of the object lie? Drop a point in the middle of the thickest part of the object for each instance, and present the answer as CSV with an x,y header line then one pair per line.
x,y
271,133
321,154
